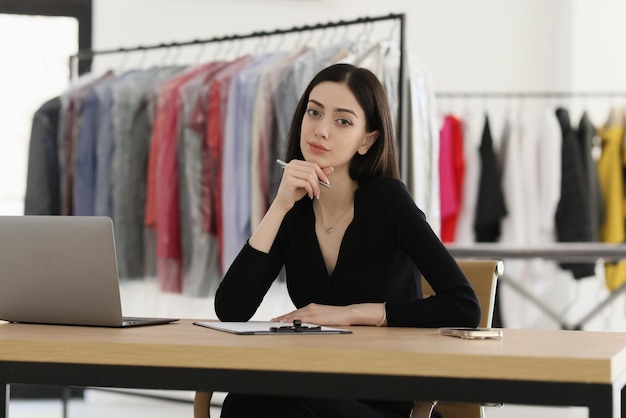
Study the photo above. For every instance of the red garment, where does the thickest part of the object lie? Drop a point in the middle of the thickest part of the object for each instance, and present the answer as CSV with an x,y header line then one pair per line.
x,y
162,199
212,152
198,121
451,175
150,209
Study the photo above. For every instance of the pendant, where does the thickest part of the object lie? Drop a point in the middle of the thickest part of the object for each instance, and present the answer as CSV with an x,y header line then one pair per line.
x,y
329,230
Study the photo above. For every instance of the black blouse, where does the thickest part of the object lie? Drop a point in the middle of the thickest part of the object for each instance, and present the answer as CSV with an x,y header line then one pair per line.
x,y
385,250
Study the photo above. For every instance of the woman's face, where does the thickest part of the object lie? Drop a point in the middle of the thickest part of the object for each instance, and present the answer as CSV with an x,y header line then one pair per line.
x,y
333,126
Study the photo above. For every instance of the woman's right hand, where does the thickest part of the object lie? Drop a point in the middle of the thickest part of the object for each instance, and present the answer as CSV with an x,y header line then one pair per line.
x,y
300,178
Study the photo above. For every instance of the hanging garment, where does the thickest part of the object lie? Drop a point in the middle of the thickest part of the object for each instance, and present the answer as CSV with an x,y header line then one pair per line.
x,y
123,140
42,176
158,118
549,175
69,136
587,138
511,163
216,140
490,205
422,146
105,145
391,57
572,215
610,173
84,184
451,172
164,154
472,130
236,161
201,272
63,129
518,167
201,114
93,185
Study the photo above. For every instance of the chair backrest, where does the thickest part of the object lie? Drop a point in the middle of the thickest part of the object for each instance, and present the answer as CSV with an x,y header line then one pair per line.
x,y
482,275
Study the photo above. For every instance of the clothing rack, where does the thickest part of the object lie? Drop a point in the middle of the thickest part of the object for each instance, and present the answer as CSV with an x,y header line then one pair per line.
x,y
532,94
564,252
87,56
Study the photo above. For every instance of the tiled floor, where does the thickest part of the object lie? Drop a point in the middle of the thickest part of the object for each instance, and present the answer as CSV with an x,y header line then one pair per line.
x,y
99,404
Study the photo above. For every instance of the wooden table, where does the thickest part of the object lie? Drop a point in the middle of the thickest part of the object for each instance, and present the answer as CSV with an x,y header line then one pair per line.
x,y
541,367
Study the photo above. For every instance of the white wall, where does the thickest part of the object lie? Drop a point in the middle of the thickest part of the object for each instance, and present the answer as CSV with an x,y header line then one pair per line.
x,y
598,59
468,45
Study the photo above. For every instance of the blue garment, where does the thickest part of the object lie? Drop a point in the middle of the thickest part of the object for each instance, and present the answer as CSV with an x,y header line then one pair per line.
x,y
236,157
65,144
84,182
104,144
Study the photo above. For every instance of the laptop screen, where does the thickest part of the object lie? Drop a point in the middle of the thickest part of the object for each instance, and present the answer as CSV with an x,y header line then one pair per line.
x,y
59,270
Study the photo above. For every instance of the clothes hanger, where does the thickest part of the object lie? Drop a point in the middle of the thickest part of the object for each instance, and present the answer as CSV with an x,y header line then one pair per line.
x,y
122,63
200,52
142,53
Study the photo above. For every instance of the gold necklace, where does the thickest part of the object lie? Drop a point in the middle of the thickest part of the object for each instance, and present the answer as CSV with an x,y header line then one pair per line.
x,y
330,229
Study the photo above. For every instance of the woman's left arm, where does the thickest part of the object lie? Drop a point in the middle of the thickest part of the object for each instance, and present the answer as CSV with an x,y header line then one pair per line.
x,y
455,303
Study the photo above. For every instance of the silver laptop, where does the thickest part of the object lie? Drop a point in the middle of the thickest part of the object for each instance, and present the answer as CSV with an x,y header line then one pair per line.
x,y
61,270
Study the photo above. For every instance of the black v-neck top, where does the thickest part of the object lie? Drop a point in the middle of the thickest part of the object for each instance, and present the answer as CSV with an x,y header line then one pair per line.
x,y
385,250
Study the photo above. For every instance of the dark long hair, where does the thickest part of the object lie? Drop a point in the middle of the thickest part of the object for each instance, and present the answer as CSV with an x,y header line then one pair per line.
x,y
381,159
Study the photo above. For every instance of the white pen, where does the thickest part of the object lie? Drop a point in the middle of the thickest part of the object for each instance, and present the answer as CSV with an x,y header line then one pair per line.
x,y
283,164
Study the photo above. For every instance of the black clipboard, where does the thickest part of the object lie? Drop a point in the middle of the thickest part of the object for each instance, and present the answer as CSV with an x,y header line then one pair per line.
x,y
270,328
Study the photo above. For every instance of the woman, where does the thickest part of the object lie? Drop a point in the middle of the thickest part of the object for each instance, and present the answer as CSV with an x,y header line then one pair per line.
x,y
354,252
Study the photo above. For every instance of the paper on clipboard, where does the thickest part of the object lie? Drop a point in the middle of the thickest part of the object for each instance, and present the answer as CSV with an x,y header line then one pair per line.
x,y
268,328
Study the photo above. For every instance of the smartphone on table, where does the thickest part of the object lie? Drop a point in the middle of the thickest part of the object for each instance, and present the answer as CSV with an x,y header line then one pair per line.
x,y
472,333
